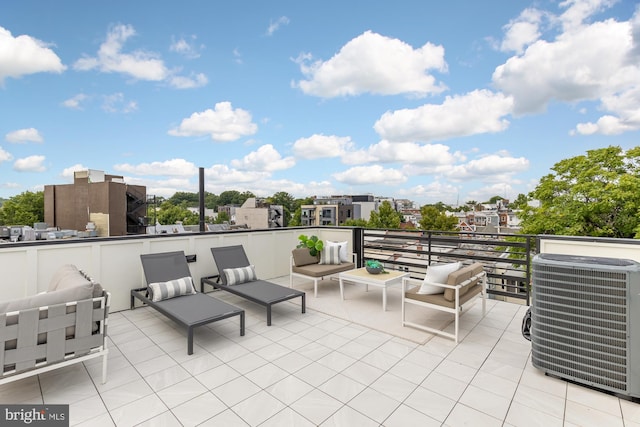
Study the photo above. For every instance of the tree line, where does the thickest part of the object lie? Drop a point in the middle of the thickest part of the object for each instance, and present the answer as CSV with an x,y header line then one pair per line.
x,y
594,194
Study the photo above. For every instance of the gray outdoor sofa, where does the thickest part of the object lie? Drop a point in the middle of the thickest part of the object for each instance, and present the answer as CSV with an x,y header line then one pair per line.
x,y
67,324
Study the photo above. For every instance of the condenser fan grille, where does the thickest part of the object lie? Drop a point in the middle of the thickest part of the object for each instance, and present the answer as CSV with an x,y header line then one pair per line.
x,y
579,324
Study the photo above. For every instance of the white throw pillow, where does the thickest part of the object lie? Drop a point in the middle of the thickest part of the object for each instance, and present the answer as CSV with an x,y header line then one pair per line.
x,y
344,256
236,276
437,274
173,288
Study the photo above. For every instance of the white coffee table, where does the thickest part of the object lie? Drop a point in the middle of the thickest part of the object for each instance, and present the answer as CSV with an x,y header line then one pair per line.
x,y
382,280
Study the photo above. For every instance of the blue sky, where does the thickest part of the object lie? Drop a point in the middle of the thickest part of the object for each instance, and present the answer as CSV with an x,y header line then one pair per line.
x,y
430,101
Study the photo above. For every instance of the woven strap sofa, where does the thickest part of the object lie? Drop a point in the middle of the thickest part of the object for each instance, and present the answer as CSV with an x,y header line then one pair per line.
x,y
303,264
447,290
66,324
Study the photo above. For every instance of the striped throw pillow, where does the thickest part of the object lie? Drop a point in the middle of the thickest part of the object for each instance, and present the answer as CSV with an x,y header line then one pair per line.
x,y
330,254
173,288
235,276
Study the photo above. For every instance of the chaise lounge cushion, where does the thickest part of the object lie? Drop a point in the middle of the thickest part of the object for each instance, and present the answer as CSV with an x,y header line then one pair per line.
x,y
160,291
237,276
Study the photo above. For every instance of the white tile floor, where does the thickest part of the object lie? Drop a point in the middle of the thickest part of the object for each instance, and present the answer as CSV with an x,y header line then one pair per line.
x,y
310,370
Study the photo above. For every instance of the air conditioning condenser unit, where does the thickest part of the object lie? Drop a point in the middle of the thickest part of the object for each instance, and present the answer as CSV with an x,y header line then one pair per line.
x,y
585,321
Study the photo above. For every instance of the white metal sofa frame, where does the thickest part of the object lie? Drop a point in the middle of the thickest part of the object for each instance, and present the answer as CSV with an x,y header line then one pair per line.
x,y
52,337
464,279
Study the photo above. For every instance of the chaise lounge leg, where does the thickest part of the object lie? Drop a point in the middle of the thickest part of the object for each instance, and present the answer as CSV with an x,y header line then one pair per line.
x,y
242,324
304,303
189,340
104,368
269,315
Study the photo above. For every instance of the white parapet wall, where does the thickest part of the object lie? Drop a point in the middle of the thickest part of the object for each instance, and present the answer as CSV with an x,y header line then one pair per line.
x,y
591,246
26,268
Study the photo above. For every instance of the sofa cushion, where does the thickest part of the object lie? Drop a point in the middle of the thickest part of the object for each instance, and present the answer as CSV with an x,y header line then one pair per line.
x,y
76,293
160,291
344,256
437,274
69,276
236,276
66,276
302,257
439,299
330,255
458,277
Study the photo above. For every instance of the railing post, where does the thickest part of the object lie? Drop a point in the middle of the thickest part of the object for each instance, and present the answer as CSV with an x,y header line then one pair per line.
x,y
358,245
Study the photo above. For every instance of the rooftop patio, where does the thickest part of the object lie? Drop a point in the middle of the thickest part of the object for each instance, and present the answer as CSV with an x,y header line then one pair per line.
x,y
316,369
319,368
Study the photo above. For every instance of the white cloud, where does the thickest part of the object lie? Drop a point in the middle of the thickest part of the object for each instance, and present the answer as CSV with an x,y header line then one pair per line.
x,y
375,64
5,156
222,124
191,82
68,173
116,103
223,174
374,174
139,64
265,158
480,111
22,136
577,11
522,31
75,102
187,48
30,164
173,167
432,193
24,55
275,26
498,167
625,106
483,194
587,63
403,152
319,146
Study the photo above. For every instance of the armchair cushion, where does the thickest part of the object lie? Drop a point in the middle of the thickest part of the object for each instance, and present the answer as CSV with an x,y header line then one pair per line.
x,y
75,293
437,274
459,276
302,257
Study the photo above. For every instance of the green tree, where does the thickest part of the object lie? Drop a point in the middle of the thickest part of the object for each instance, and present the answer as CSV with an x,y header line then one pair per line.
x,y
494,200
233,197
435,219
222,218
386,217
24,209
520,202
183,198
597,194
288,203
170,214
358,222
296,216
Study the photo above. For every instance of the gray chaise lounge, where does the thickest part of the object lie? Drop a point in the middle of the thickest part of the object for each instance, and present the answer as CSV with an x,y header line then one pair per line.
x,y
191,310
259,291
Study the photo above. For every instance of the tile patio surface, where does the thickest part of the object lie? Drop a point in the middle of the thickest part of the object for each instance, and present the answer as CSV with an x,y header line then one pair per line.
x,y
313,369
